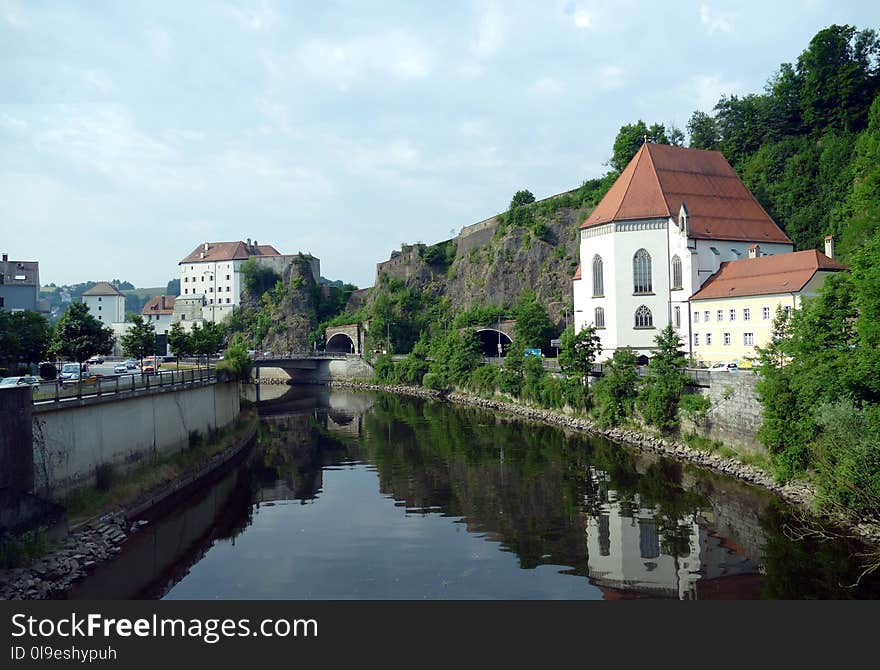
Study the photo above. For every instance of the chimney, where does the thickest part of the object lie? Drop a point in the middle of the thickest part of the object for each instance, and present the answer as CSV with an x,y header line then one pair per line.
x,y
829,246
754,251
5,257
249,241
255,243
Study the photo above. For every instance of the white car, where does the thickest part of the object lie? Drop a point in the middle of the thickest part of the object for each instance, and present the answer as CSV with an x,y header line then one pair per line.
x,y
724,367
122,368
19,381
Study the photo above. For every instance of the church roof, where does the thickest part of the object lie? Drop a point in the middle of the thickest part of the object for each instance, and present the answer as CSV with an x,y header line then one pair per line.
x,y
660,178
766,275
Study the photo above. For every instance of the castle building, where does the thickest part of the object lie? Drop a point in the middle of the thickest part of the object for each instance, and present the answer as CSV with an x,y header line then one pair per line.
x,y
671,219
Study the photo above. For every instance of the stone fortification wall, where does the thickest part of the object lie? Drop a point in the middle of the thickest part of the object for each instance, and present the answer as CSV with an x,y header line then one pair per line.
x,y
71,439
280,263
734,416
476,235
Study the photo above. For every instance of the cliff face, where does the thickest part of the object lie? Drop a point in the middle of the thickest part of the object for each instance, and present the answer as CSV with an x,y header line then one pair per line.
x,y
494,261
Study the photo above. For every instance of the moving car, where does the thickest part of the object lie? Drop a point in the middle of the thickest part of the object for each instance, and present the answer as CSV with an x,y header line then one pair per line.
x,y
19,381
131,364
122,368
96,360
71,370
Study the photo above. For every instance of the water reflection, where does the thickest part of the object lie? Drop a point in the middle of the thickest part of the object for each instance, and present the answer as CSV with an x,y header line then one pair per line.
x,y
355,495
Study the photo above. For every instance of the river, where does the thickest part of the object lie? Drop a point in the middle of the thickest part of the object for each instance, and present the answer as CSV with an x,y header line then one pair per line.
x,y
351,495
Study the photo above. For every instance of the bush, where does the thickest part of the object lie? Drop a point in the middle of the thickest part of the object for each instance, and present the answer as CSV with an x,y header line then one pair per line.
x,y
48,371
694,406
433,381
18,550
485,378
615,392
384,367
195,439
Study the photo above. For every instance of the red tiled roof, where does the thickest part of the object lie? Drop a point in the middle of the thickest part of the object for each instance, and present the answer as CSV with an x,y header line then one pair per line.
x,y
660,178
577,273
766,275
103,288
228,251
159,304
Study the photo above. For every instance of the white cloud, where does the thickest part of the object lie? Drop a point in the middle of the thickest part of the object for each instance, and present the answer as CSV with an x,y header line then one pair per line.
x,y
491,33
548,86
395,53
12,124
715,21
98,81
258,18
583,19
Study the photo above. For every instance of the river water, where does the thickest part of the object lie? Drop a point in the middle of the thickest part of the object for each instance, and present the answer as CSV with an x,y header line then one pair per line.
x,y
351,495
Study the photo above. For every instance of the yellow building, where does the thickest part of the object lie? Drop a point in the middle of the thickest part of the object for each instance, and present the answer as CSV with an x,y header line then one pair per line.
x,y
733,311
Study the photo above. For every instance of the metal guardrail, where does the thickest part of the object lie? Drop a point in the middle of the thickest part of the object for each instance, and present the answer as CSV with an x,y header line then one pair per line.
x,y
124,384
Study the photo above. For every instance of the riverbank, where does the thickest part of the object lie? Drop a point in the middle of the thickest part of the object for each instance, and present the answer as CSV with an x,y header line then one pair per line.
x,y
798,494
103,520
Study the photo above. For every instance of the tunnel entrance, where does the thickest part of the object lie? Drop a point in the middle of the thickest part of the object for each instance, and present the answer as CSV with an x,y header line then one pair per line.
x,y
489,339
340,343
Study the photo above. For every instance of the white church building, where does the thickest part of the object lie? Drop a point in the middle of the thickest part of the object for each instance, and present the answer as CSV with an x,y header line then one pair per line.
x,y
665,226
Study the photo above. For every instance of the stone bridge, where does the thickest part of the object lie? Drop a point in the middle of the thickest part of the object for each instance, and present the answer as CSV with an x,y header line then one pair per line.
x,y
494,337
306,369
347,339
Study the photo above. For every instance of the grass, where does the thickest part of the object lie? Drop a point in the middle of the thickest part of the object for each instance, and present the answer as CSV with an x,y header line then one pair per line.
x,y
124,489
703,443
19,550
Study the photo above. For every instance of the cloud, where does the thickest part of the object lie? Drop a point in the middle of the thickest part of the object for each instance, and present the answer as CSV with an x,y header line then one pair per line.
x,y
257,18
582,19
395,53
159,41
716,21
547,86
491,33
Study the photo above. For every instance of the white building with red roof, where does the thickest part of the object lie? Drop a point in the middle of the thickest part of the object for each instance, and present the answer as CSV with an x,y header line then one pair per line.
x,y
671,219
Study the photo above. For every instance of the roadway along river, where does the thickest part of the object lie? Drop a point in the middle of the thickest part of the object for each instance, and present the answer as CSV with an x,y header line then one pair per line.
x,y
357,495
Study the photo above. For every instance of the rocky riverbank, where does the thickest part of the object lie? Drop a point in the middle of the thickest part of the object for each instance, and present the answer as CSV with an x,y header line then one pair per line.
x,y
796,493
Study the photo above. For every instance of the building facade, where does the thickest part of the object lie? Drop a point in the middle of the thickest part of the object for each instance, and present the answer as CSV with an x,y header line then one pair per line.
x,y
734,311
106,303
666,225
159,311
19,285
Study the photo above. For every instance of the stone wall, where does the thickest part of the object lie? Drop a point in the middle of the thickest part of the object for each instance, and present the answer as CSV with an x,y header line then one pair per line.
x,y
71,439
280,263
476,235
734,416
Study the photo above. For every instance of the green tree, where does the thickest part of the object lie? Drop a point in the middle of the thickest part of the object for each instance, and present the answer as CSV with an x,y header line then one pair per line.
x,y
616,391
236,360
180,342
173,287
79,335
139,341
533,325
660,394
34,334
258,278
578,352
207,340
632,136
703,131
520,198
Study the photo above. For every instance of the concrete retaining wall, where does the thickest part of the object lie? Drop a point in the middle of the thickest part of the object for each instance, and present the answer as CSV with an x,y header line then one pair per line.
x,y
735,413
16,466
71,440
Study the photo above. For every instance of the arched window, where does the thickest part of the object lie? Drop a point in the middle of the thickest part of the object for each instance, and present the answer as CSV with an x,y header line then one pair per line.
x,y
676,273
599,319
644,319
598,279
642,272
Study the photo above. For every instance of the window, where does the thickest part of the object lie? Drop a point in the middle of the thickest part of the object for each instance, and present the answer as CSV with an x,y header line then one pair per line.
x,y
599,317
99,308
765,313
100,318
708,338
227,277
696,339
227,300
185,291
787,310
726,339
203,277
733,315
183,317
649,540
210,289
642,272
676,273
99,298
719,315
186,280
677,317
747,314
228,289
598,279
706,316
696,317
644,319
748,339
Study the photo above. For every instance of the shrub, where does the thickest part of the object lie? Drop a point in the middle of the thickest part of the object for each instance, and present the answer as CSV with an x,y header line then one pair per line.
x,y
432,380
384,367
694,406
48,371
195,439
485,378
615,392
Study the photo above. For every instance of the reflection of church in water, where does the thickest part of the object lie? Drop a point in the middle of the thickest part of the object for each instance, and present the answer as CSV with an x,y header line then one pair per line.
x,y
626,558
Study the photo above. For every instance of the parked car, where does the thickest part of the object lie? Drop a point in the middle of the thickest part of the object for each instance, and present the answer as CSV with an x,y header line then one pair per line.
x,y
19,381
726,367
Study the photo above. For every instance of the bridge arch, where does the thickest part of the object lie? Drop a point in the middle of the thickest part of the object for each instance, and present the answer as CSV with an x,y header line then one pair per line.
x,y
340,343
490,338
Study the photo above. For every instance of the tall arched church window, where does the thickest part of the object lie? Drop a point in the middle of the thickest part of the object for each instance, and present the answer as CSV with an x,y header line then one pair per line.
x,y
676,273
644,318
598,278
642,272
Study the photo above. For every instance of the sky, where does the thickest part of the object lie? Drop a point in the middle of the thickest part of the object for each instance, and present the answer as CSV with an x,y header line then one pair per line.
x,y
131,132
